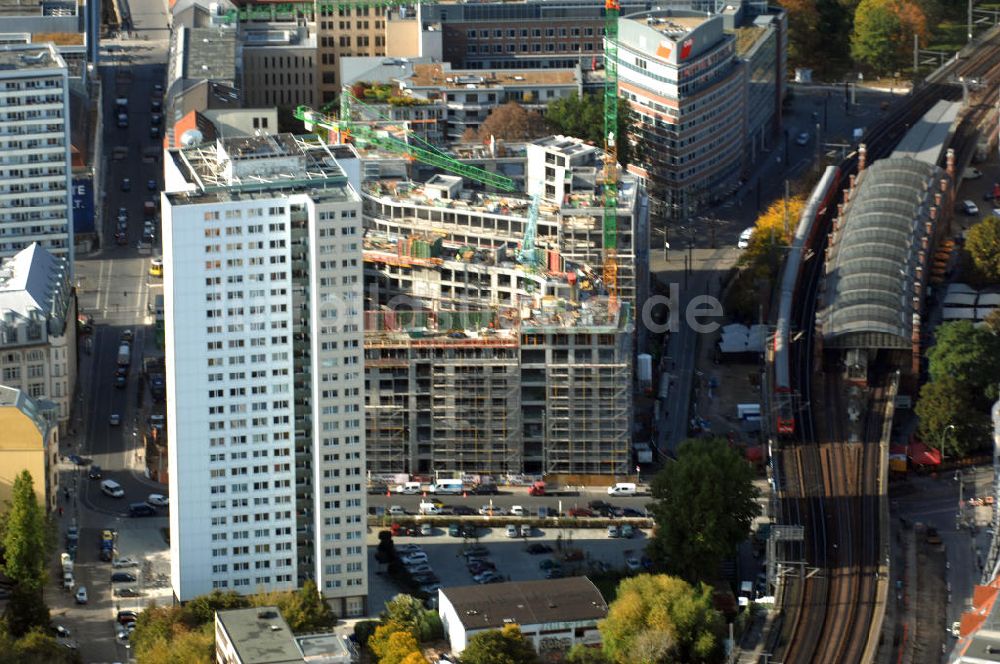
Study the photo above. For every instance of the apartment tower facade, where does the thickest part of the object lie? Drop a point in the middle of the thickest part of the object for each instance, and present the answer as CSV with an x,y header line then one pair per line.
x,y
264,354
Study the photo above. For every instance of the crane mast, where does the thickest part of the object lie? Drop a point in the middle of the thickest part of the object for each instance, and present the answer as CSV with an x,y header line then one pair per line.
x,y
611,11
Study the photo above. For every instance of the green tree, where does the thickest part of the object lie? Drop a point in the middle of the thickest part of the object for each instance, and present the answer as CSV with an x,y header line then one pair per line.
x,y
583,117
983,245
883,32
409,612
662,619
305,611
581,654
26,610
202,609
24,535
704,505
805,38
971,355
37,646
499,646
947,402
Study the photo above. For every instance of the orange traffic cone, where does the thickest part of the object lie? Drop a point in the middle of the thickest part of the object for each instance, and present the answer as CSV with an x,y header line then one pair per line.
x,y
388,493
465,494
425,494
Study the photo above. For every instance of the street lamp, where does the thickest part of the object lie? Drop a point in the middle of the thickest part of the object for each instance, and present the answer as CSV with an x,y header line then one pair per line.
x,y
944,435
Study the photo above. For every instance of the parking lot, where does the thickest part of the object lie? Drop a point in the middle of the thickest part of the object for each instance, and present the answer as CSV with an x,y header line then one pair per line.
x,y
512,560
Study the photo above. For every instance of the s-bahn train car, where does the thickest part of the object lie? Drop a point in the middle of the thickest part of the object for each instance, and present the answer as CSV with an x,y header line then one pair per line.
x,y
804,239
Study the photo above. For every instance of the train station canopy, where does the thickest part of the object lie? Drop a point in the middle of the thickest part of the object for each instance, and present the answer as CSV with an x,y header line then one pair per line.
x,y
875,254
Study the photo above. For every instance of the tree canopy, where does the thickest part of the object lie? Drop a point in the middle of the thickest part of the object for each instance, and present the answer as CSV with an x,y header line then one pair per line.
x,y
393,643
24,535
704,504
662,620
503,646
509,122
883,32
947,402
805,38
583,117
304,609
983,245
409,612
970,354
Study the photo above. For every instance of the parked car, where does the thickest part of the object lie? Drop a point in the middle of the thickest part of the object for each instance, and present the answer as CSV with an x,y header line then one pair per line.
x,y
614,532
462,510
485,577
525,530
81,595
426,530
151,185
114,419
517,510
548,563
580,511
629,512
475,551
487,510
554,573
802,138
970,208
627,531
633,564
126,562
127,616
512,531
157,499
454,530
396,510
122,577
538,547
414,557
94,473
126,592
420,568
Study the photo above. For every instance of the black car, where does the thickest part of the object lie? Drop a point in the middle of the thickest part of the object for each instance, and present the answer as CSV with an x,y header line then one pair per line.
x,y
127,617
486,490
107,555
599,505
120,382
141,509
462,510
628,511
95,472
122,577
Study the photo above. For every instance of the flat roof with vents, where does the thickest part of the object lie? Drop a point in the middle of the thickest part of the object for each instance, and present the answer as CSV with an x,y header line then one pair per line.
x,y
259,635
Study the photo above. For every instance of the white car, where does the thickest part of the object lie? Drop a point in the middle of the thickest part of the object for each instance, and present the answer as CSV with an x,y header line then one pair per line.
x,y
486,510
970,208
125,562
158,499
802,139
996,212
512,532
516,510
114,419
81,595
972,174
396,510
744,240
414,558
633,564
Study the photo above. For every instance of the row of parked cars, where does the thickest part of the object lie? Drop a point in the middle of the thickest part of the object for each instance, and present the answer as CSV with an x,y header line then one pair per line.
x,y
600,508
414,559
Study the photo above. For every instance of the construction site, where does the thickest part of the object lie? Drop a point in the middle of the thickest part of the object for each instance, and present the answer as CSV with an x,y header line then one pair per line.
x,y
492,344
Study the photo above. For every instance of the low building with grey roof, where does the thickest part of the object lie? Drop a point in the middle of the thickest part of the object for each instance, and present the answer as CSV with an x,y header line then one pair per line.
x,y
554,614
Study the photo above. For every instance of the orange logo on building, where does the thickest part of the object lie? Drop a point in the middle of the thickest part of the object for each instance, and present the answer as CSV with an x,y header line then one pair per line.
x,y
664,49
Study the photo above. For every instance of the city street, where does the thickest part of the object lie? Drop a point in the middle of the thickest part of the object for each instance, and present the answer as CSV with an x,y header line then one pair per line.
x,y
114,287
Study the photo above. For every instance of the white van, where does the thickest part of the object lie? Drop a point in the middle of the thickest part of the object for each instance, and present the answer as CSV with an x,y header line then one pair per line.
x,y
409,488
112,488
745,236
622,489
449,486
429,508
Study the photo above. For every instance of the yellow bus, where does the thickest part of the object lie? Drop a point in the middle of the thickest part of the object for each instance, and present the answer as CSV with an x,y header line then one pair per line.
x,y
156,267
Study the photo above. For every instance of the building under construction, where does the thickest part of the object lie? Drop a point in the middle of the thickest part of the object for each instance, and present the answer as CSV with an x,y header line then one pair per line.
x,y
491,343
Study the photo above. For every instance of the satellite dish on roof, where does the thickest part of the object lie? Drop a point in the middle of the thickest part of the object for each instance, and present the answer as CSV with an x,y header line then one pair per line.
x,y
191,138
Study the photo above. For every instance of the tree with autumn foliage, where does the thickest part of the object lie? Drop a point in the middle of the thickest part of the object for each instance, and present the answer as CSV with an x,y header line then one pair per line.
x,y
509,122
760,262
883,32
805,37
